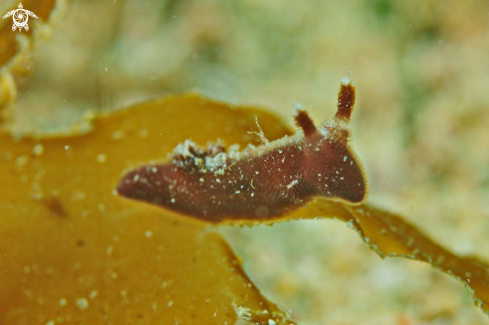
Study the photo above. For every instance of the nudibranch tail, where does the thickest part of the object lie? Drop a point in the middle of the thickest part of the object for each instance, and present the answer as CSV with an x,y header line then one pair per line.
x,y
215,183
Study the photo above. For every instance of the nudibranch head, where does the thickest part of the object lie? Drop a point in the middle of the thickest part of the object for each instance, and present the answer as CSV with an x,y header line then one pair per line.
x,y
263,182
332,165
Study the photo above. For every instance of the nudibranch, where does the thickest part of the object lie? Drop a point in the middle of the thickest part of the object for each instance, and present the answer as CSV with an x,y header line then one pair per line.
x,y
264,182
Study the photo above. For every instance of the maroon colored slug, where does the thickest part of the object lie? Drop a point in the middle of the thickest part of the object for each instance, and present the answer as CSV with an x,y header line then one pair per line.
x,y
260,182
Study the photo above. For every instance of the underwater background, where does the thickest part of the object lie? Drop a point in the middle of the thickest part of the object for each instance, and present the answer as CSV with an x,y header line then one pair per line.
x,y
421,72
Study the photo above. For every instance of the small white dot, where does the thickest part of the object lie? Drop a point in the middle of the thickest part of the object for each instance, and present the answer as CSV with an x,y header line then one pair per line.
x,y
93,294
82,303
101,158
143,133
38,149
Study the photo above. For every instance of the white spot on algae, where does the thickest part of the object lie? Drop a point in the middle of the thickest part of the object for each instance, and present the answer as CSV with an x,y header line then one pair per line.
x,y
148,234
410,241
93,294
109,251
38,149
63,302
101,158
143,133
242,312
117,135
271,322
82,303
78,196
21,161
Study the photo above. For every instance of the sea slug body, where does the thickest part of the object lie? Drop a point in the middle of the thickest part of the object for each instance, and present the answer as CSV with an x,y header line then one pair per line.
x,y
263,182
